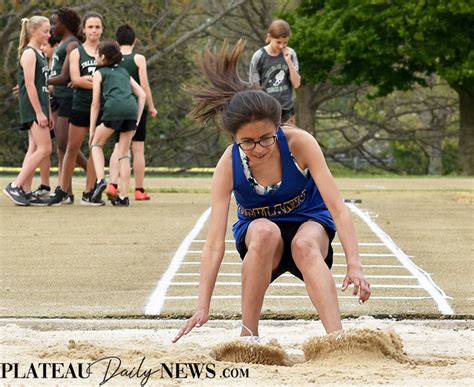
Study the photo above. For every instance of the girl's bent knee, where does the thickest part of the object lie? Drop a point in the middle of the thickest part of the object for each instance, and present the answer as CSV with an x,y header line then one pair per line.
x,y
302,246
266,233
45,151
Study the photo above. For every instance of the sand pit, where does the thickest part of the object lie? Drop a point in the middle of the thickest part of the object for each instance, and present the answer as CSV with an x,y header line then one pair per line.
x,y
140,352
237,351
364,343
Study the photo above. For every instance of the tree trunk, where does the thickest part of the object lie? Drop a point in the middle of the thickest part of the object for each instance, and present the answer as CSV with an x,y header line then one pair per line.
x,y
435,166
466,133
304,109
435,122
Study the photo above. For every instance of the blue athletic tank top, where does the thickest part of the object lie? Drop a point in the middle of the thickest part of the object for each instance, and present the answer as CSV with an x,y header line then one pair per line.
x,y
296,200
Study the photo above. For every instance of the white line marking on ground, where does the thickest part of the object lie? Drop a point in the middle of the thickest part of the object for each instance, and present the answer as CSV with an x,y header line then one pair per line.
x,y
292,276
157,298
335,254
231,297
294,284
203,240
334,265
333,243
422,276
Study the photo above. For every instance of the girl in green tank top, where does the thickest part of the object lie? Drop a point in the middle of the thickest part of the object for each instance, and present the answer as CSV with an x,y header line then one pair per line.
x,y
82,65
121,113
65,24
136,65
33,104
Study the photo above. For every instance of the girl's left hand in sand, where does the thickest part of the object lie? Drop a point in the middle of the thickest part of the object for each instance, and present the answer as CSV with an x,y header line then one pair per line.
x,y
198,319
361,285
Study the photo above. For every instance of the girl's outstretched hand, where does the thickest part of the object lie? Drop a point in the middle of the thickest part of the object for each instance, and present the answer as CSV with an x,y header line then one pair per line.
x,y
361,285
198,319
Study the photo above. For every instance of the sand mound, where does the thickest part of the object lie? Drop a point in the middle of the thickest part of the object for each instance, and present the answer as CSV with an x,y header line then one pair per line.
x,y
353,342
242,352
74,350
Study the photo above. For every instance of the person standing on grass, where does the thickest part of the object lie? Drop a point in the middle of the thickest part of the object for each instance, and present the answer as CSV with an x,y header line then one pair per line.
x,y
288,205
65,24
120,115
135,64
44,189
82,64
275,68
35,111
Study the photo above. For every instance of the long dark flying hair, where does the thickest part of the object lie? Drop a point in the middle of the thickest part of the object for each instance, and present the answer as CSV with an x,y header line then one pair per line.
x,y
236,102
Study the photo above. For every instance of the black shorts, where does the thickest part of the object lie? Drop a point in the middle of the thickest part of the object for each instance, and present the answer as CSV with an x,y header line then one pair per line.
x,y
288,231
140,134
287,114
83,119
26,125
53,101
121,125
64,106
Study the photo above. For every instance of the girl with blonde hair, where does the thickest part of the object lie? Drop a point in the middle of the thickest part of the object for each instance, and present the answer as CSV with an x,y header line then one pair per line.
x,y
34,107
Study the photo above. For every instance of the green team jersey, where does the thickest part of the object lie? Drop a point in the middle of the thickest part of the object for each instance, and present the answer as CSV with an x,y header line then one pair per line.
x,y
128,63
27,113
119,102
59,57
82,98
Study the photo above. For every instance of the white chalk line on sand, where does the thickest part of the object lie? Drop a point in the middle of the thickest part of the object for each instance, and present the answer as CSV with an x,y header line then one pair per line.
x,y
424,279
293,285
238,297
335,254
157,298
334,265
333,243
292,276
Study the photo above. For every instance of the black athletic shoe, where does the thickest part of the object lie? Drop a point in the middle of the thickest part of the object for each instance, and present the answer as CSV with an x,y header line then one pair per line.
x,y
35,200
16,195
42,191
57,198
86,200
100,187
117,202
56,190
69,199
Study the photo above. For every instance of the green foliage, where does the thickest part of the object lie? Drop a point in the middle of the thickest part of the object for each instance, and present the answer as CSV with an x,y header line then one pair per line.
x,y
391,44
409,158
450,157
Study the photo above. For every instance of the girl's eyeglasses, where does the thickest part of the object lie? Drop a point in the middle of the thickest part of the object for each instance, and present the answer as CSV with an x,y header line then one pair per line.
x,y
250,145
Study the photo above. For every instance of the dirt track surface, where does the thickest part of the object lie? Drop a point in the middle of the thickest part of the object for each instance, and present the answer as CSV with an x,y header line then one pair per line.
x,y
77,261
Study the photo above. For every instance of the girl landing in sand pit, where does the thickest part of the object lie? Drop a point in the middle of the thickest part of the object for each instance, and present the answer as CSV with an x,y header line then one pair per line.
x,y
288,204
